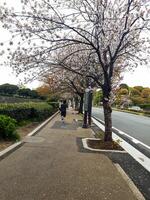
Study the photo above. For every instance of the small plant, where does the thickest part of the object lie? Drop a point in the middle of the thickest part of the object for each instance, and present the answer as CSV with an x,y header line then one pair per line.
x,y
100,134
8,128
117,142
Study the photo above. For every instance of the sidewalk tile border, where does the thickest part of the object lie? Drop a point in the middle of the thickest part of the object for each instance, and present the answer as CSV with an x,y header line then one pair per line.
x,y
4,153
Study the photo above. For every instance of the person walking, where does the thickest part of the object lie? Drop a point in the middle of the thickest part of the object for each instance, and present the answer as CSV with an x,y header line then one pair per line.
x,y
62,109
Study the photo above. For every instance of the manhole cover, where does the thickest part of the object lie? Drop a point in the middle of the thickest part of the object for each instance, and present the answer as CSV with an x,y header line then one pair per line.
x,y
33,139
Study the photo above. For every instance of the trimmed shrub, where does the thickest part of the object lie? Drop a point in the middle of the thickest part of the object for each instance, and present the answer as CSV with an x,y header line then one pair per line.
x,y
55,105
8,128
26,111
145,106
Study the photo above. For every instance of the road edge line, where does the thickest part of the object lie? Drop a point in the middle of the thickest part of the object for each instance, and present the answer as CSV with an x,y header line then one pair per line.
x,y
134,152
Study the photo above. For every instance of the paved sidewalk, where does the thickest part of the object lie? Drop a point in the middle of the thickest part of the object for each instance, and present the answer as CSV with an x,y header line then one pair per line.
x,y
52,165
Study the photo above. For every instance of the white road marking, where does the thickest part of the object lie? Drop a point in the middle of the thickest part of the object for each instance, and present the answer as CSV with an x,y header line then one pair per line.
x,y
136,154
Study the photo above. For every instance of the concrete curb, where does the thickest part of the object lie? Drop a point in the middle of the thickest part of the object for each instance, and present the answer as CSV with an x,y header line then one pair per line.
x,y
130,183
137,153
84,141
10,149
15,146
42,125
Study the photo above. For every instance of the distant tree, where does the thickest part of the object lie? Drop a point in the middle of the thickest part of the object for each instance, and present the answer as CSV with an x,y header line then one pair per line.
x,y
123,91
43,90
124,86
67,82
137,100
8,89
145,93
25,92
136,95
139,88
122,96
53,98
34,94
97,98
135,92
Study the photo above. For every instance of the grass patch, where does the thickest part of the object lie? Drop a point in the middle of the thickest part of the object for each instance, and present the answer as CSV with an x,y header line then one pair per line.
x,y
27,128
4,144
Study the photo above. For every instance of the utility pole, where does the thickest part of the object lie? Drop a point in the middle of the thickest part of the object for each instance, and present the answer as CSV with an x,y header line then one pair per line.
x,y
87,107
90,107
86,97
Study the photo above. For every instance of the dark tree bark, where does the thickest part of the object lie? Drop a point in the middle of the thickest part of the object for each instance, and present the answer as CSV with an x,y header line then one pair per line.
x,y
106,88
108,121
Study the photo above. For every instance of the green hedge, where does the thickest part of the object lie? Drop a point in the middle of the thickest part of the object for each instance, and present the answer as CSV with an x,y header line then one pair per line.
x,y
55,105
145,106
8,128
26,111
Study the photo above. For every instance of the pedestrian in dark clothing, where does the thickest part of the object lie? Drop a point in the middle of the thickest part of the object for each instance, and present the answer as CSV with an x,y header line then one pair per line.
x,y
62,109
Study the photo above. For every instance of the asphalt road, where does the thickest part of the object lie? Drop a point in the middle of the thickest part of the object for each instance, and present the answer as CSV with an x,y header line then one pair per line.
x,y
134,125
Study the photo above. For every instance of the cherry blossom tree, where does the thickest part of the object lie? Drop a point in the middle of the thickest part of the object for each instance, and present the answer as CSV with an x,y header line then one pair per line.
x,y
66,82
109,31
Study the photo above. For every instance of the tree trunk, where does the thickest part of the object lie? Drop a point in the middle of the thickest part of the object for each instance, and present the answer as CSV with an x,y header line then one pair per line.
x,y
81,104
106,89
108,120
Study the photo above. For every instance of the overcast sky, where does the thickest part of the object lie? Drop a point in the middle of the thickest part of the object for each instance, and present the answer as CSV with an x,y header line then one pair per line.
x,y
141,75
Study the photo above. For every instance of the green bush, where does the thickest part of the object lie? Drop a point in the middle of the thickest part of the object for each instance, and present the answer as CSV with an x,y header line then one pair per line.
x,y
54,102
26,111
8,128
145,106
97,98
55,105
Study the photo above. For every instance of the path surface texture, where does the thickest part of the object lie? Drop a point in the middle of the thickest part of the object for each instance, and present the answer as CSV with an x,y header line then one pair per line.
x,y
53,165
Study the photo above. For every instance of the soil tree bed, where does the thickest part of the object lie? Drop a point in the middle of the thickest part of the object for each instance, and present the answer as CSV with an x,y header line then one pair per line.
x,y
4,144
25,130
100,144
